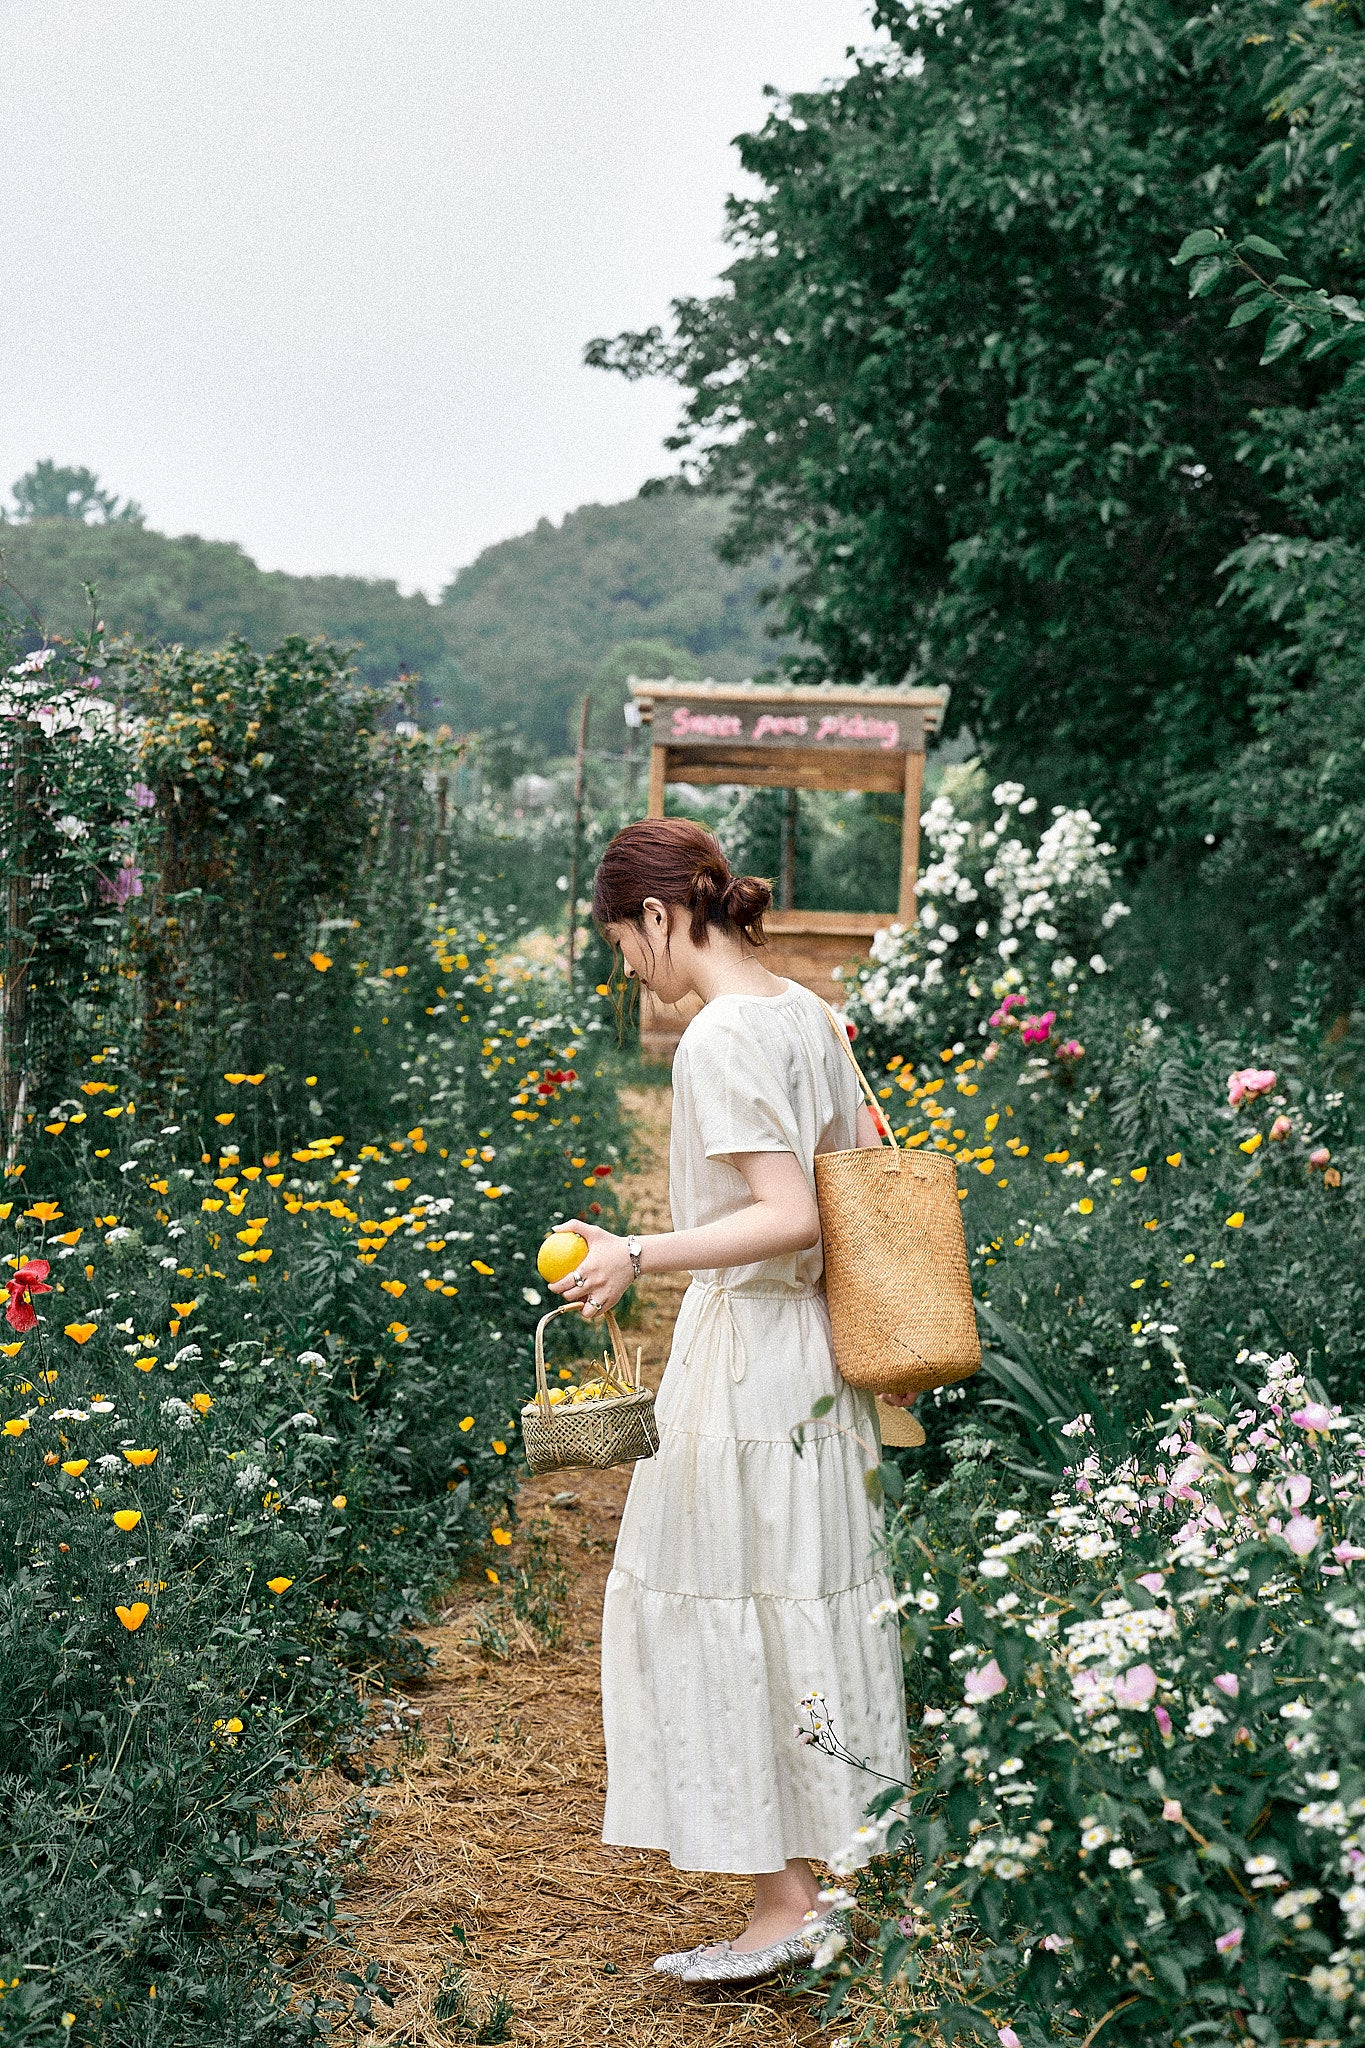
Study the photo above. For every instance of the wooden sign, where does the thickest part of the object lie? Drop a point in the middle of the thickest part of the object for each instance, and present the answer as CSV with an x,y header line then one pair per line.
x,y
708,721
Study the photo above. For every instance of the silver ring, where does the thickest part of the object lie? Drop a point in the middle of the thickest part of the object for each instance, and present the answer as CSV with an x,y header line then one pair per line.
x,y
592,1302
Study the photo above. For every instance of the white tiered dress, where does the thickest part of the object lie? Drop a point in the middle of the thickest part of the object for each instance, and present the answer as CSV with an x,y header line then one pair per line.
x,y
744,1571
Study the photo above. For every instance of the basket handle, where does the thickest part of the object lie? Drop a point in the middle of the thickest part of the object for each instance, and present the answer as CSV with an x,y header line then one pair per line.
x,y
624,1373
881,1120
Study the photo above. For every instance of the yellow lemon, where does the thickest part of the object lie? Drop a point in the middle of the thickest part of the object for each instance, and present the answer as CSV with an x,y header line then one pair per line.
x,y
560,1253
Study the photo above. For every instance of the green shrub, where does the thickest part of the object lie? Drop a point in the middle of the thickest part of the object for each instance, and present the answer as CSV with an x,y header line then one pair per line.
x,y
1139,1803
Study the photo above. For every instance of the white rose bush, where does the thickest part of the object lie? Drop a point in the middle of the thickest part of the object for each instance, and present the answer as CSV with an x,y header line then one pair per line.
x,y
1140,1796
1011,925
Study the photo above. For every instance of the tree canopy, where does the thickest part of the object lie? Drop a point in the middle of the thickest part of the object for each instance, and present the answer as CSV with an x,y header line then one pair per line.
x,y
954,373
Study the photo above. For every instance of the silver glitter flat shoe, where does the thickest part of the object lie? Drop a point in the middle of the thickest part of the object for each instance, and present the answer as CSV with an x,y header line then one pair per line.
x,y
673,1965
732,1966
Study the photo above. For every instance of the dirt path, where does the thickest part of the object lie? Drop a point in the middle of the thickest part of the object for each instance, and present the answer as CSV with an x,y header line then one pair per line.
x,y
492,1822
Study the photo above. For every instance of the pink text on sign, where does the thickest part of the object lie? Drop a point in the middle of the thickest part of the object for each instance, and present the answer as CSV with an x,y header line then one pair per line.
x,y
770,723
851,725
705,725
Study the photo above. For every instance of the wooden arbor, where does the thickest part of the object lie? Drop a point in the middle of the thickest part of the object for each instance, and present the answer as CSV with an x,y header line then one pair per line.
x,y
787,737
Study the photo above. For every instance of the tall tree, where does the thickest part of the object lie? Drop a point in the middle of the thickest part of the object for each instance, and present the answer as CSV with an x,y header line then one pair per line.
x,y
953,371
49,491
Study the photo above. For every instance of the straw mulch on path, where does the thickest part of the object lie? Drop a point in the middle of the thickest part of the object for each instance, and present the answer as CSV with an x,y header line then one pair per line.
x,y
494,1827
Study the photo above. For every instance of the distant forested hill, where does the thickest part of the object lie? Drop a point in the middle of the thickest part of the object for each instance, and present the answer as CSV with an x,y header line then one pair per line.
x,y
533,618
200,591
516,636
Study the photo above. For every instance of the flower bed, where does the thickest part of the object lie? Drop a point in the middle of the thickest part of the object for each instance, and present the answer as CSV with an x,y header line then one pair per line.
x,y
268,1411
1142,1775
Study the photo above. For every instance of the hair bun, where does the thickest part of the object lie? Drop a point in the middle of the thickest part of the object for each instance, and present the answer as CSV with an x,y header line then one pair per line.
x,y
743,902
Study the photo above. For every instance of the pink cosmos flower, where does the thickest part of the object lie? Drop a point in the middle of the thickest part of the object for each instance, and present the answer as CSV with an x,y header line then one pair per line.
x,y
984,1684
1162,1719
1303,1535
1135,1687
1037,1030
1232,1939
126,884
1313,1416
1227,1682
1249,1082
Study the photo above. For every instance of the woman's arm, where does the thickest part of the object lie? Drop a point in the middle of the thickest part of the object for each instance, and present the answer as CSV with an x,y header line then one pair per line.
x,y
781,1218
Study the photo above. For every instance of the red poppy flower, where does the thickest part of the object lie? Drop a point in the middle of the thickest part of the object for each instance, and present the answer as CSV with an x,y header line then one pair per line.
x,y
30,1279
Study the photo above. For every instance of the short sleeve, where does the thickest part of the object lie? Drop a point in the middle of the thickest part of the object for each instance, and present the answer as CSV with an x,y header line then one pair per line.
x,y
738,1100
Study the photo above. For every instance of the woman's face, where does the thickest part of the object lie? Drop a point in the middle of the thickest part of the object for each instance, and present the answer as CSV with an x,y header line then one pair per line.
x,y
647,952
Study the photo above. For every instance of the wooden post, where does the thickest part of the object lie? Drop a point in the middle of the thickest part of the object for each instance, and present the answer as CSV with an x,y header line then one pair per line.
x,y
786,887
658,775
577,828
906,909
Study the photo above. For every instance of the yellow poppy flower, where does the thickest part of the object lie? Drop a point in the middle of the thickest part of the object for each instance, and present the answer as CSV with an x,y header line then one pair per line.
x,y
134,1616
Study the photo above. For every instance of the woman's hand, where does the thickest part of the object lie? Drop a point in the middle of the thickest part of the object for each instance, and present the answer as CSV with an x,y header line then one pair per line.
x,y
603,1276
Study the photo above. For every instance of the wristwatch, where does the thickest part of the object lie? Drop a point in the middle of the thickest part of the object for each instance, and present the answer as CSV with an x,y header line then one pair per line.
x,y
635,1246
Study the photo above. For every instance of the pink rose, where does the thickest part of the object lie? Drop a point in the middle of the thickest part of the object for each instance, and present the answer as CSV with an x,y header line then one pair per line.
x,y
984,1684
1302,1535
1135,1687
1037,1030
1249,1082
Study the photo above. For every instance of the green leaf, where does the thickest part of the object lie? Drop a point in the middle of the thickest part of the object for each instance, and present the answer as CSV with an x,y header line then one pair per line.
x,y
823,1406
893,1481
1203,242
1251,310
1259,247
1206,274
1284,332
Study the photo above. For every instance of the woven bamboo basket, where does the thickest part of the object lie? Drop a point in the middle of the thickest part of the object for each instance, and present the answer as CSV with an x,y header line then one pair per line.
x,y
896,1273
615,1430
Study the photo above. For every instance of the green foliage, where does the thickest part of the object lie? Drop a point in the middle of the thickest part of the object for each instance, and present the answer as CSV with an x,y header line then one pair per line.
x,y
291,1271
48,491
533,618
1138,1803
953,372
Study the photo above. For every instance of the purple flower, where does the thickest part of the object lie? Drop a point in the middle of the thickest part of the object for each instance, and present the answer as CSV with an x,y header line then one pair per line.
x,y
1227,1682
1232,1939
1007,2037
1162,1719
142,798
126,884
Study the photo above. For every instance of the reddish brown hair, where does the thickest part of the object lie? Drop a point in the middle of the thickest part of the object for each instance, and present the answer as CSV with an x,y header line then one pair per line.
x,y
682,864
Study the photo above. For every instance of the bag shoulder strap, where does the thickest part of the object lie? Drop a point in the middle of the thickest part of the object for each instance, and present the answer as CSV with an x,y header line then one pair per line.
x,y
880,1118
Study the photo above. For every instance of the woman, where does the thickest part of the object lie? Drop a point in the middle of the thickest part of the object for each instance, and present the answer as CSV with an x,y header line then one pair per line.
x,y
744,1570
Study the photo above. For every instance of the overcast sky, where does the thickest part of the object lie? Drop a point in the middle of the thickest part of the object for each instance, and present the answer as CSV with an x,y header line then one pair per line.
x,y
316,275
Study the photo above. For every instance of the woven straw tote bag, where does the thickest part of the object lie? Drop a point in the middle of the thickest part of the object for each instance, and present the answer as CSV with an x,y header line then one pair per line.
x,y
612,1431
896,1274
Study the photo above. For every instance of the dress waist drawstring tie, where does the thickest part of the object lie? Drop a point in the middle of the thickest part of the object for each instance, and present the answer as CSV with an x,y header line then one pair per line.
x,y
717,1326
